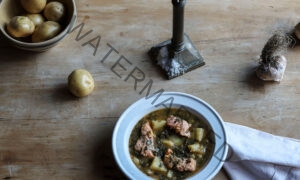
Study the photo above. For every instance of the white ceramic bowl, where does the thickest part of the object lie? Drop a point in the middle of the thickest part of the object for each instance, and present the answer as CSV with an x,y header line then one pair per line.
x,y
142,107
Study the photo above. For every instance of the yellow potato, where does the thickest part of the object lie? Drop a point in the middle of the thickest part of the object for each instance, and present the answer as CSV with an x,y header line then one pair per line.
x,y
46,31
54,11
80,83
20,26
33,6
158,165
37,19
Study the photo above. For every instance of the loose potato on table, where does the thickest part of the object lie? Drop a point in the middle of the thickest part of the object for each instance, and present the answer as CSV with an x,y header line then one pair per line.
x,y
20,26
80,83
33,6
46,31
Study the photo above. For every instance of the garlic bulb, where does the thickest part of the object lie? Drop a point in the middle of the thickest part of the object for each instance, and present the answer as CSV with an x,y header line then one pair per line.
x,y
273,71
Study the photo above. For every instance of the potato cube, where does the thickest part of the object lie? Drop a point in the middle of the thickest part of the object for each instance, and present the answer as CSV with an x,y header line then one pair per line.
x,y
136,160
176,140
158,124
157,165
170,174
168,143
199,134
197,148
149,172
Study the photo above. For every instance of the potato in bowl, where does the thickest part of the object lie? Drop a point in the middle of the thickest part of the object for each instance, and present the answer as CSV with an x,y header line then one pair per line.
x,y
13,8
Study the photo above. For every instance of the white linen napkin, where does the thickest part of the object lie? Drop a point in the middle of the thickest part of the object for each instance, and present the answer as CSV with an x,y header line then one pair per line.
x,y
257,155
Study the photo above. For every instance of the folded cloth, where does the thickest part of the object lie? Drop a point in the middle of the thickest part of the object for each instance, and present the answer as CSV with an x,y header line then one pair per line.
x,y
257,155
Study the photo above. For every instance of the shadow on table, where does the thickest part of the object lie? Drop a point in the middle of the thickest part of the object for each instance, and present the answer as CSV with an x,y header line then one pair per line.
x,y
254,83
5,46
103,163
62,94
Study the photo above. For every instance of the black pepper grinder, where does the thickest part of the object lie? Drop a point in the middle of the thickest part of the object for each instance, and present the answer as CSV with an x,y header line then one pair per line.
x,y
178,24
177,55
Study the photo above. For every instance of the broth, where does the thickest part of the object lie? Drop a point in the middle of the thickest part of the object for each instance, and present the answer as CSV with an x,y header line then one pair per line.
x,y
199,146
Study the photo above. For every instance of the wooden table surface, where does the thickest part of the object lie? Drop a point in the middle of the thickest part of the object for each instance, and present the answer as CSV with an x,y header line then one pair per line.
x,y
46,133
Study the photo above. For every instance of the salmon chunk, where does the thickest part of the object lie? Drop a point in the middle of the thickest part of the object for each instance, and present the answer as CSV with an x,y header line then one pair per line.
x,y
186,164
146,130
179,164
145,144
179,125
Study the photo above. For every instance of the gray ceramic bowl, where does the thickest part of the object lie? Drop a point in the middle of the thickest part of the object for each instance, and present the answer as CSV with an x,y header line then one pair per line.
x,y
129,118
11,8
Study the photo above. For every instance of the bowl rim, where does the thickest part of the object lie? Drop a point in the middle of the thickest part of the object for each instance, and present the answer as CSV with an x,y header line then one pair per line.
x,y
48,42
143,106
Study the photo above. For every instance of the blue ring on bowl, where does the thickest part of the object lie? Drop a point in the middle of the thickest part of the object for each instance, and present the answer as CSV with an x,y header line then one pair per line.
x,y
129,118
